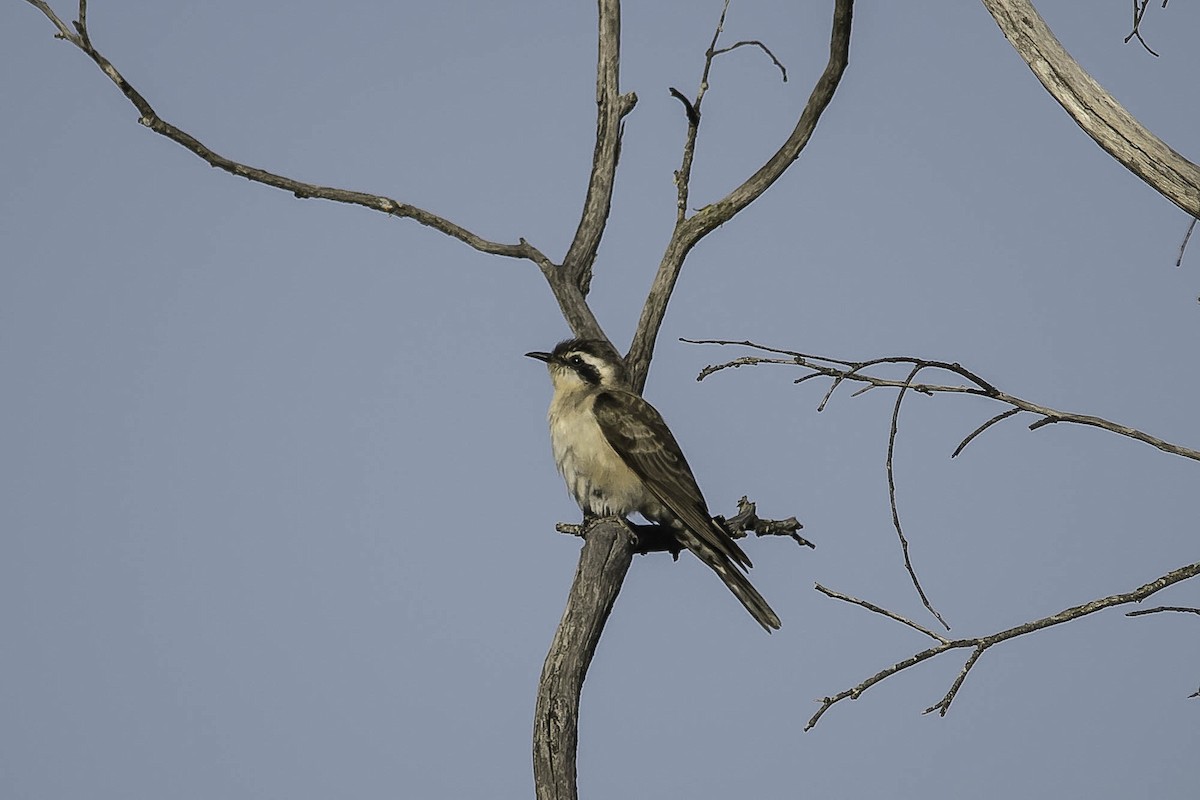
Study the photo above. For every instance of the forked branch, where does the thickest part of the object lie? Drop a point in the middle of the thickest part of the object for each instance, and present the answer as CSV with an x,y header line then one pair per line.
x,y
978,645
1139,11
690,230
842,371
566,290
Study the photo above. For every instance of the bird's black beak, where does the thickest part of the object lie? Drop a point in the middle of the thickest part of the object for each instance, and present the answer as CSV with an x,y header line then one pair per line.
x,y
539,356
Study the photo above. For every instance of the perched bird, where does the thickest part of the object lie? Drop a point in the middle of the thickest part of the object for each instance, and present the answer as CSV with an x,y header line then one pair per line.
x,y
617,456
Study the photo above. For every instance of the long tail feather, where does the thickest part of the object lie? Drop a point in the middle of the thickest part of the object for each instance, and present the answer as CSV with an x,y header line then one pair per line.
x,y
735,579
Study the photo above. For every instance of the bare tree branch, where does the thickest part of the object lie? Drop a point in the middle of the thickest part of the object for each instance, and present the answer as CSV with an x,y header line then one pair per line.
x,y
880,610
760,46
588,604
690,230
1160,609
683,176
841,370
979,644
891,480
1183,245
607,553
856,371
662,539
1139,11
1003,415
1094,109
611,108
570,300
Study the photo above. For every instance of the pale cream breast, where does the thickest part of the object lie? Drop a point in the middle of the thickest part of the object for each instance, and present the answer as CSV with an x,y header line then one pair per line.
x,y
587,461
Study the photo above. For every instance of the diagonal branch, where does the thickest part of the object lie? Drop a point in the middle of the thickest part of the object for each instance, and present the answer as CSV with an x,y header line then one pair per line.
x,y
1095,110
981,643
841,370
691,230
711,217
572,303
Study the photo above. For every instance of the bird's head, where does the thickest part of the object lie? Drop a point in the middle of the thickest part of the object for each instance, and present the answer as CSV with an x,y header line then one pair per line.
x,y
582,363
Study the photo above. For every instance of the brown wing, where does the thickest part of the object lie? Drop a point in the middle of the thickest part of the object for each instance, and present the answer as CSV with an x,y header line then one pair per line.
x,y
636,430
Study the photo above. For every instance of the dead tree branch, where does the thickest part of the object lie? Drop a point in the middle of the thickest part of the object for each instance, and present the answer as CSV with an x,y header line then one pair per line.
x,y
1160,609
565,286
607,553
853,371
1095,110
662,539
611,108
557,713
980,644
760,46
690,230
842,371
1186,236
608,547
891,481
1139,11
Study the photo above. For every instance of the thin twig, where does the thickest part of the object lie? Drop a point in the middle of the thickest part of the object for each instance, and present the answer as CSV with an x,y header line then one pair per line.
x,y
1183,245
690,230
1138,13
891,481
881,610
1003,415
683,176
1160,609
943,705
981,643
761,46
849,370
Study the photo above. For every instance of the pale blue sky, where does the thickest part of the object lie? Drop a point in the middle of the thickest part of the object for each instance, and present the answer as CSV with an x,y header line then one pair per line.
x,y
276,500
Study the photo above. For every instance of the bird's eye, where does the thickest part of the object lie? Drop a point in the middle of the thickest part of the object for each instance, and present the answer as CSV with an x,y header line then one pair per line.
x,y
575,360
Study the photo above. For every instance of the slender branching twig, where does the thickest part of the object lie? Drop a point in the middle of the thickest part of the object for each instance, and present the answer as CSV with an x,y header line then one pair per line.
x,y
854,371
760,46
689,230
842,371
979,644
568,285
1139,11
891,481
1160,609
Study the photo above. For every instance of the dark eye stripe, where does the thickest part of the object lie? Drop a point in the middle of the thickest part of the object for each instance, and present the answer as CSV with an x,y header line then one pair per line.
x,y
585,370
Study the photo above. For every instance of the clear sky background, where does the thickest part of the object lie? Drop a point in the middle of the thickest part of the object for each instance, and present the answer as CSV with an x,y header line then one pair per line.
x,y
276,497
